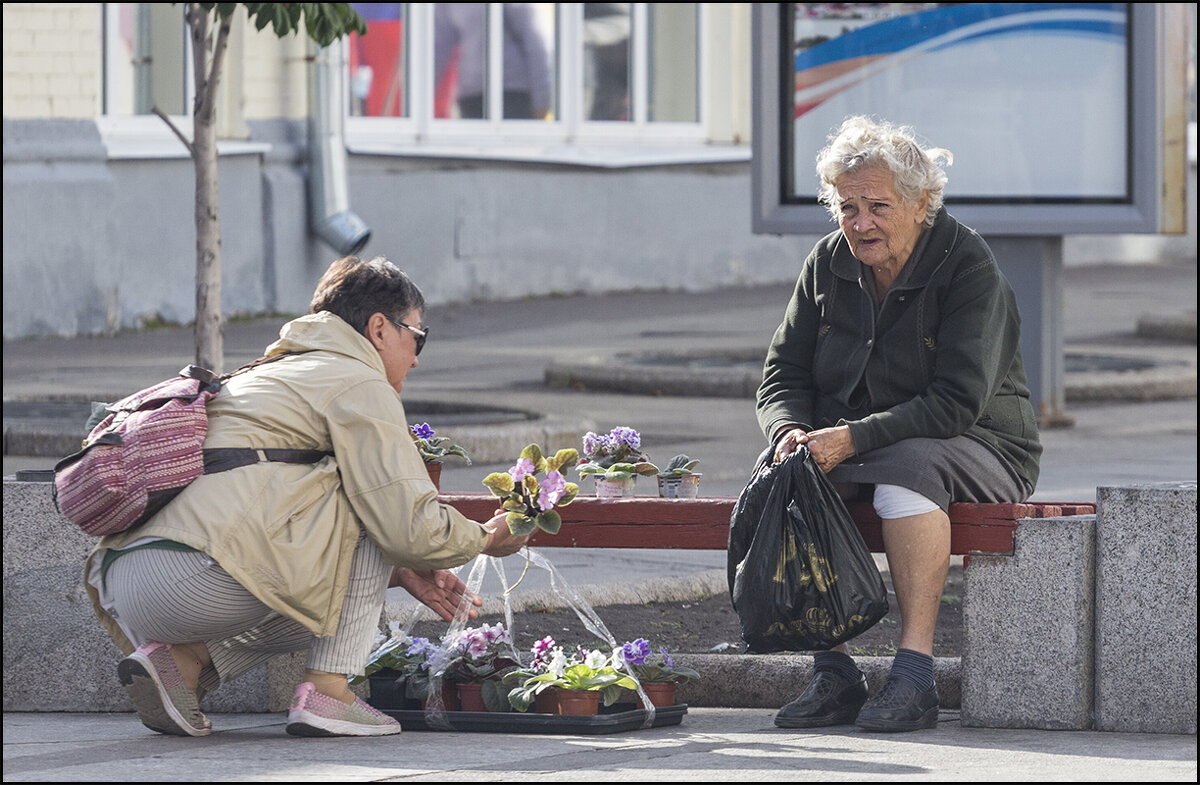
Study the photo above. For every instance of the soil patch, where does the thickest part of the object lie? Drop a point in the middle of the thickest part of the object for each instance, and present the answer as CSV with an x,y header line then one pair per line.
x,y
710,625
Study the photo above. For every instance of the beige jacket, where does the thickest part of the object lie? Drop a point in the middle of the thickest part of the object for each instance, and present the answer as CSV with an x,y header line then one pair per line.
x,y
287,532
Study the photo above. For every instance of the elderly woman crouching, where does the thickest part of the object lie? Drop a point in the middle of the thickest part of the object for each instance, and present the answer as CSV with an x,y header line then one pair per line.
x,y
898,366
274,556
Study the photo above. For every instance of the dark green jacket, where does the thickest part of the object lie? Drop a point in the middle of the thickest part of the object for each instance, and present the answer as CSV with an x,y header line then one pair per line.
x,y
940,357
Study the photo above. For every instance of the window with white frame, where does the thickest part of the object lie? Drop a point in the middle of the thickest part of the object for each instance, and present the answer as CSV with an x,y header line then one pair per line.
x,y
146,63
566,70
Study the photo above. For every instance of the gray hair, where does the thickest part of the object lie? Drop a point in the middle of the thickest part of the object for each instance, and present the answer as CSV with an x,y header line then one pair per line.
x,y
355,290
862,142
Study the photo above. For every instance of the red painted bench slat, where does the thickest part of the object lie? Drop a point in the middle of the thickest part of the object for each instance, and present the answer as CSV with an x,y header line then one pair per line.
x,y
651,522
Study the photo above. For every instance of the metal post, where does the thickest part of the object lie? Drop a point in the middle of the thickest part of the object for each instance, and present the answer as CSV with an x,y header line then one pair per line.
x,y
1033,266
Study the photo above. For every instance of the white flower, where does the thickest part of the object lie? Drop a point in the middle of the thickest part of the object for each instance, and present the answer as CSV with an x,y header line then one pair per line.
x,y
595,659
558,662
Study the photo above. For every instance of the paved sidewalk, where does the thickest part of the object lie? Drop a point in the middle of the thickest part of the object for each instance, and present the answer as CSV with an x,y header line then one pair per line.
x,y
495,353
709,745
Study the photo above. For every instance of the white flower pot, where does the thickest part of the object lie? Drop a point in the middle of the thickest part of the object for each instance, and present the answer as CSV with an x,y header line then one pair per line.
x,y
615,489
685,487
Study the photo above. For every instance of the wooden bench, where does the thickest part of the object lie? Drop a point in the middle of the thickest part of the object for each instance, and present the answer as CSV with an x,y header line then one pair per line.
x,y
703,523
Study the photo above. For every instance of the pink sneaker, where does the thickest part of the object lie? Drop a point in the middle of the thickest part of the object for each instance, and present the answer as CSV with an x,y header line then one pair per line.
x,y
314,714
159,696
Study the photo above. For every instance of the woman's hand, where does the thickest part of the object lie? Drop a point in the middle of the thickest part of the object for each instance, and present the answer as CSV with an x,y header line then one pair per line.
x,y
440,590
501,541
791,441
830,446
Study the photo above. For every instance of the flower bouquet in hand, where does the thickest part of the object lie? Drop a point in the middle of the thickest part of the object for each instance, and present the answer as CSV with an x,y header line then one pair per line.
x,y
552,667
530,501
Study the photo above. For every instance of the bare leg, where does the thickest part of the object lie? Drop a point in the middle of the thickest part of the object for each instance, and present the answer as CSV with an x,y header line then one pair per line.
x,y
918,551
333,685
190,659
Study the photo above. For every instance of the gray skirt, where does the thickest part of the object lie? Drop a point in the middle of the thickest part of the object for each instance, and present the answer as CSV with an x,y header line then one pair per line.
x,y
959,469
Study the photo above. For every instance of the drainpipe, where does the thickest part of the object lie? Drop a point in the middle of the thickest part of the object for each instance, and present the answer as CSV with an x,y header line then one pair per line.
x,y
329,213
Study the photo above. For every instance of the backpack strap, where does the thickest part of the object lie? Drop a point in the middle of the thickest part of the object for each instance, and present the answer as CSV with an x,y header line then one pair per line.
x,y
222,459
248,366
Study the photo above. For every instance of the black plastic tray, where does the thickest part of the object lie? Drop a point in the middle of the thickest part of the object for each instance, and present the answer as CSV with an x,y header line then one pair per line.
x,y
612,719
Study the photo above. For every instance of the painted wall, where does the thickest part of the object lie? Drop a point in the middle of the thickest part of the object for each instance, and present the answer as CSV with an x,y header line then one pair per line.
x,y
93,245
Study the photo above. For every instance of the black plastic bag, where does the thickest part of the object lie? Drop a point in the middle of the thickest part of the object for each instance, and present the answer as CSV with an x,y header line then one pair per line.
x,y
800,575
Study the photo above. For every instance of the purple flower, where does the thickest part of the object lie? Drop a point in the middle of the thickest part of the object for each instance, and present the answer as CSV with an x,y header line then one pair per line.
x,y
554,485
523,468
628,436
593,444
422,431
670,663
636,651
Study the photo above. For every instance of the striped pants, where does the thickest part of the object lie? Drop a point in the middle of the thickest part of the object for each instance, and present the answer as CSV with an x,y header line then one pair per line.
x,y
185,597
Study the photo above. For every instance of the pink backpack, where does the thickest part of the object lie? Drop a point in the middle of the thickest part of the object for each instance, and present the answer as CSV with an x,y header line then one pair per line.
x,y
148,449
140,456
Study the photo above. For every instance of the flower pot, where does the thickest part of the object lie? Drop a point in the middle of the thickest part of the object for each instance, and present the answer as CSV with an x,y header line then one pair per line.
x,y
449,698
470,697
615,489
558,701
435,473
660,693
685,487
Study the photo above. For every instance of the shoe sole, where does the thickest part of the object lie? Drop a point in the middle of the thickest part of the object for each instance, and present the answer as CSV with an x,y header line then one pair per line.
x,y
150,700
924,722
840,718
305,723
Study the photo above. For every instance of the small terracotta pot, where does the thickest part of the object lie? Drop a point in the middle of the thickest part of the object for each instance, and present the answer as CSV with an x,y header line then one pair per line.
x,y
660,693
449,698
470,697
576,702
435,473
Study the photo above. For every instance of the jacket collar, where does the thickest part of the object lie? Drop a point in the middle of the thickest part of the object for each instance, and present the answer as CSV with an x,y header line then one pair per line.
x,y
942,237
325,331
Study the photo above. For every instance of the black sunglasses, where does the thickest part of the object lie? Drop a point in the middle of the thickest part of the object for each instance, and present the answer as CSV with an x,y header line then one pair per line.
x,y
421,334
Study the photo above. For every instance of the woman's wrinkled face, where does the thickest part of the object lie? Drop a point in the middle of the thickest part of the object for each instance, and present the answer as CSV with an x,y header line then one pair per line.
x,y
398,348
882,228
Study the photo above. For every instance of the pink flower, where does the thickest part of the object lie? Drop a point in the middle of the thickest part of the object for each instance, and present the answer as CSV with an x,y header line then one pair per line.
x,y
523,468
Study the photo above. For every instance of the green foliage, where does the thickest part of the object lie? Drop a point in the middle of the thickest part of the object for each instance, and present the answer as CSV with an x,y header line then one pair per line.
x,y
680,466
324,22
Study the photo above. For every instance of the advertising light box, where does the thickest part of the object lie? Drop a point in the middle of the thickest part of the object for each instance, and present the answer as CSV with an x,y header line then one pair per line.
x,y
1053,111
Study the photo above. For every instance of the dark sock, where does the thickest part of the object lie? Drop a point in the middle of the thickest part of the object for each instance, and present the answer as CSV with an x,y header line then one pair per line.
x,y
837,662
915,668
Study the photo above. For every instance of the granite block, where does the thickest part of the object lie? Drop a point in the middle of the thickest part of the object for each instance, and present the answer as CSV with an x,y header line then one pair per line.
x,y
1146,608
1028,654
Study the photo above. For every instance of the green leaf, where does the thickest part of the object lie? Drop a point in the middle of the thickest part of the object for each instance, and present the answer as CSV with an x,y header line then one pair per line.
x,y
549,522
500,483
645,468
514,503
570,491
626,468
534,453
589,468
563,460
520,525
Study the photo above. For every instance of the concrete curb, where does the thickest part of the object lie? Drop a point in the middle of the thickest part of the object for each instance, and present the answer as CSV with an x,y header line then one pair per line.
x,y
728,680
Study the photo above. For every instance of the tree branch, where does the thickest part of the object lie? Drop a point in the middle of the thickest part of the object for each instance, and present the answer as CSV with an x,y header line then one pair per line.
x,y
170,124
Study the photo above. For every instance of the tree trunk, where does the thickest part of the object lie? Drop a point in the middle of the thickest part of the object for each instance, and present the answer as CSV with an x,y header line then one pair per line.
x,y
207,57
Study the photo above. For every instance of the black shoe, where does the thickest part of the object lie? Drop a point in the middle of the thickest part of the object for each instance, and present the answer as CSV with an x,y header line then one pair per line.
x,y
831,699
900,706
